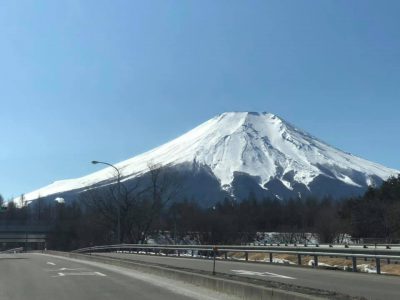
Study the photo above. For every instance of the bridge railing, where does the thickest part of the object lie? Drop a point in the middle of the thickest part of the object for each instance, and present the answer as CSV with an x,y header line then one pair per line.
x,y
384,252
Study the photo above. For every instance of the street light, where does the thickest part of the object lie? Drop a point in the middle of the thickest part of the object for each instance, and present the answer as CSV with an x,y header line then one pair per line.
x,y
95,162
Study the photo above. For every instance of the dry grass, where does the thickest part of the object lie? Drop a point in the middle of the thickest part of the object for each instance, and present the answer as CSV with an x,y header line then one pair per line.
x,y
257,256
392,268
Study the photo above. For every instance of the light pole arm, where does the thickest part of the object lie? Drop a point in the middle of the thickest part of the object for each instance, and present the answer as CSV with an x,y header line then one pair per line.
x,y
108,164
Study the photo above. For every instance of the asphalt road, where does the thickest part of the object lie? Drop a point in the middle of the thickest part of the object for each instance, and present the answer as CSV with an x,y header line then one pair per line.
x,y
370,286
45,277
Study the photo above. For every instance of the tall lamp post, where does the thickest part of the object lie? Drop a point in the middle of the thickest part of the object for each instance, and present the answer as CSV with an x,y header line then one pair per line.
x,y
95,162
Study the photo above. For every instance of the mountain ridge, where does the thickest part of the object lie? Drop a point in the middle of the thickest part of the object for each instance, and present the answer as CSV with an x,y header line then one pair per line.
x,y
234,145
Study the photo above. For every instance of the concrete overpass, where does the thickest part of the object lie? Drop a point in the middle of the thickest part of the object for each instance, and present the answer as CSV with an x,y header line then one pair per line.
x,y
27,236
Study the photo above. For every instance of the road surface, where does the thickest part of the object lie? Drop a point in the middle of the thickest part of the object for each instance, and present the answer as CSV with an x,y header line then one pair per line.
x,y
44,277
370,286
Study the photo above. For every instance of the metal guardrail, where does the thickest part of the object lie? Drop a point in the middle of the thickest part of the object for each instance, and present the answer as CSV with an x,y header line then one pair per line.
x,y
387,253
13,250
321,247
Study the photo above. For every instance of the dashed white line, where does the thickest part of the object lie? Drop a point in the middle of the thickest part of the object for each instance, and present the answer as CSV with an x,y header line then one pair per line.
x,y
263,274
51,263
61,274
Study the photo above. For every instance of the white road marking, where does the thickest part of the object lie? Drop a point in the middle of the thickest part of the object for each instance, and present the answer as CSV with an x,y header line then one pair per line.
x,y
66,269
193,292
51,263
80,274
263,274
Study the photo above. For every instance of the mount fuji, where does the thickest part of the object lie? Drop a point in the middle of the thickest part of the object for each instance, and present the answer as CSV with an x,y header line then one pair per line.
x,y
236,154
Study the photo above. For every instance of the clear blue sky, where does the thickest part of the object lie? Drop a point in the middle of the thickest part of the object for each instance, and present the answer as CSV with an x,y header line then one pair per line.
x,y
84,80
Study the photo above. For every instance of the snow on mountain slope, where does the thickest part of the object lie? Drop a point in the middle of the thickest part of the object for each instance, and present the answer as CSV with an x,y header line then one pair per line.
x,y
257,144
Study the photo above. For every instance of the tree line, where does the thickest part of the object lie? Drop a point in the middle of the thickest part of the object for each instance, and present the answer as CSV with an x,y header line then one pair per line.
x,y
149,208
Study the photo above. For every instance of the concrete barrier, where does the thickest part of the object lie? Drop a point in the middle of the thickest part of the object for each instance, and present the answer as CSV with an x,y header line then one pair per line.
x,y
222,285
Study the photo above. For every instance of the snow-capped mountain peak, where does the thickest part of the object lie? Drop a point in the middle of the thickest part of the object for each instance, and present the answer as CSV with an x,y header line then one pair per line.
x,y
260,145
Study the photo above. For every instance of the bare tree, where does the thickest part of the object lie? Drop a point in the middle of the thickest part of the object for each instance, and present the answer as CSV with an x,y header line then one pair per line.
x,y
134,208
163,186
21,200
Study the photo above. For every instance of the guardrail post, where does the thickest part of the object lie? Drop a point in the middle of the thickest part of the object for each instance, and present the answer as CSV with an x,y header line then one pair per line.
x,y
270,257
246,254
378,265
354,263
299,259
179,253
215,249
315,261
192,253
